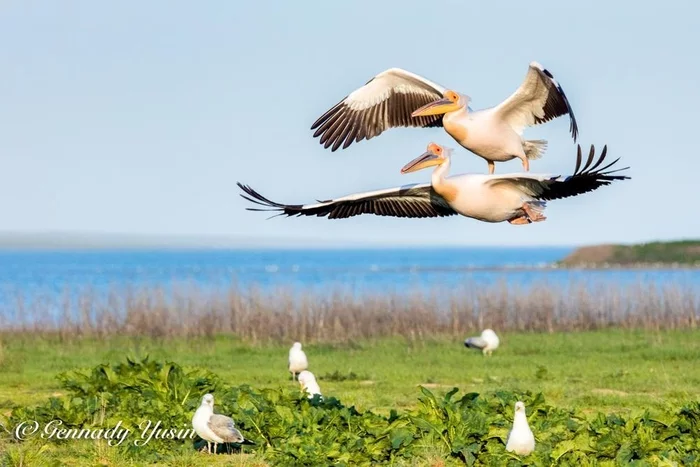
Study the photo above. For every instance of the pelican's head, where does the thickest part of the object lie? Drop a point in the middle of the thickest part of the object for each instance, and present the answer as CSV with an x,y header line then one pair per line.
x,y
208,399
520,407
435,155
451,101
296,346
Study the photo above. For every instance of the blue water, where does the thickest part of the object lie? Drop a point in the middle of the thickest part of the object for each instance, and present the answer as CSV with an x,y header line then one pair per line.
x,y
34,275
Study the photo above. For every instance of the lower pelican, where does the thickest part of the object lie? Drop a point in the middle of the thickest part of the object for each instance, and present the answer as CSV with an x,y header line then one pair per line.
x,y
519,198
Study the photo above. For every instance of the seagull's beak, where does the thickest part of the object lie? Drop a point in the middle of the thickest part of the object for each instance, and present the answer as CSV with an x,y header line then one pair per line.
x,y
237,434
427,159
438,107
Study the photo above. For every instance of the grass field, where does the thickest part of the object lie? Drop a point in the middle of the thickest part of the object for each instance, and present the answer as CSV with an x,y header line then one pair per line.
x,y
622,371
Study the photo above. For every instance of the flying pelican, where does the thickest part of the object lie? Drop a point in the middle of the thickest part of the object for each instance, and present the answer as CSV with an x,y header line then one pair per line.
x,y
519,198
487,342
399,98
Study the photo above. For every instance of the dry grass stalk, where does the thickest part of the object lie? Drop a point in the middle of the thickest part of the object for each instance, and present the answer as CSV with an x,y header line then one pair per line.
x,y
282,315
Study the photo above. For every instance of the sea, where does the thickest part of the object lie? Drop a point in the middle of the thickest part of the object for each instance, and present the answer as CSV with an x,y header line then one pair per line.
x,y
50,275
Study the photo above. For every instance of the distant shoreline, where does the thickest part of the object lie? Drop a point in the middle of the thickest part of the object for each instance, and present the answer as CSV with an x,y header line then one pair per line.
x,y
676,254
682,254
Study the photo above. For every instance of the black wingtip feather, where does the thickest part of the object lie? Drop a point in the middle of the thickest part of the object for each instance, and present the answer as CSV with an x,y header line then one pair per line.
x,y
557,104
589,178
591,154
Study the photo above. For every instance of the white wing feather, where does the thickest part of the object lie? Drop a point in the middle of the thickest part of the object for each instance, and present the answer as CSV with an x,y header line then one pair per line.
x,y
386,101
381,86
539,99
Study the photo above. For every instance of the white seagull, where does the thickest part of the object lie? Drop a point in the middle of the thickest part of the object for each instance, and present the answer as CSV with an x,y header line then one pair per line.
x,y
487,342
520,440
214,428
399,98
307,380
297,360
519,198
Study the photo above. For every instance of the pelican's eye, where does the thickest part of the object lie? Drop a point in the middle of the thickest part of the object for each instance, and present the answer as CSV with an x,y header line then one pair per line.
x,y
434,148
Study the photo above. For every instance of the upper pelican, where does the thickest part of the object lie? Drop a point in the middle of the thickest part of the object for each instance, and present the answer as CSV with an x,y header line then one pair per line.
x,y
519,198
398,98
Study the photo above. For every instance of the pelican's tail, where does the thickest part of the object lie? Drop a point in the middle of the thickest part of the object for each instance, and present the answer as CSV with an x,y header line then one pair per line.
x,y
534,148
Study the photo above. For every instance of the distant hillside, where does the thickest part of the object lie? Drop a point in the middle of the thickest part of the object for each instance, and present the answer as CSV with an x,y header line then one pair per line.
x,y
682,252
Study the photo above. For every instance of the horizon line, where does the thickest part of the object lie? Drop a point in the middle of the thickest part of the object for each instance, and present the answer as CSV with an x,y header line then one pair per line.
x,y
86,240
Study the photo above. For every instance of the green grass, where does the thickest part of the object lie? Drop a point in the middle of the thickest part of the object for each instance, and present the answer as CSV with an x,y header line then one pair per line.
x,y
682,252
604,371
685,251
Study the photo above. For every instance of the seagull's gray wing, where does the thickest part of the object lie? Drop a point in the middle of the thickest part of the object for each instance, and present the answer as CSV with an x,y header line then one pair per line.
x,y
224,428
475,343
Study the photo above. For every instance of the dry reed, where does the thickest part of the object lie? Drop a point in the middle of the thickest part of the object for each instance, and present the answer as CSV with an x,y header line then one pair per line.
x,y
261,316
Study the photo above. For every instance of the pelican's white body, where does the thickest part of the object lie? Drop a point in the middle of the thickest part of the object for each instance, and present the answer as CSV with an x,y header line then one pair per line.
x,y
297,359
309,384
521,441
489,198
486,134
477,200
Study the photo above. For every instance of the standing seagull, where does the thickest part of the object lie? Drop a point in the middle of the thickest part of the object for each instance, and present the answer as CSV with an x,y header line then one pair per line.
x,y
520,440
297,360
488,342
398,98
307,380
214,428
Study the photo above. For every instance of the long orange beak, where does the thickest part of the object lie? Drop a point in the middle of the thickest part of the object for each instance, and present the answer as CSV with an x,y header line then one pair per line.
x,y
427,159
438,107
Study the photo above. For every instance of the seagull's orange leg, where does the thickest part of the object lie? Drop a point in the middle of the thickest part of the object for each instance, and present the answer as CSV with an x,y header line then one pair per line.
x,y
492,167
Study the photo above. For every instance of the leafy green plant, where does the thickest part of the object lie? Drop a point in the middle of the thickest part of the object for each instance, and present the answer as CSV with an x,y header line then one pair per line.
x,y
284,427
127,395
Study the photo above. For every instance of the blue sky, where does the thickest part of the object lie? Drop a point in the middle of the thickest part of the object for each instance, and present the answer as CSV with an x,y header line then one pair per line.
x,y
139,117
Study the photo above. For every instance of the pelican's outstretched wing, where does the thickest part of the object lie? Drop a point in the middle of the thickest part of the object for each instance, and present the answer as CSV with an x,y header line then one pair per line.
x,y
583,180
539,99
386,101
417,200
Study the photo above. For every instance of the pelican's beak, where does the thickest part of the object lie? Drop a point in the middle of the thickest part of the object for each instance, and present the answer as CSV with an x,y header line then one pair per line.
x,y
427,159
438,107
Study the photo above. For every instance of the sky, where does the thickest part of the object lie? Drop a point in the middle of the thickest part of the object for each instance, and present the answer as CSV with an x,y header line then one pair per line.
x,y
140,117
